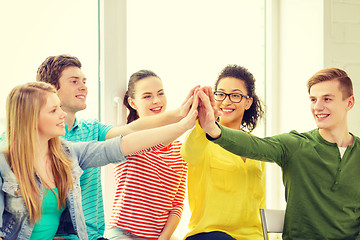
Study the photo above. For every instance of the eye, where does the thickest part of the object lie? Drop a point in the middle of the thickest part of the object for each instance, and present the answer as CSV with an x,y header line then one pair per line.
x,y
219,94
147,96
328,99
161,93
74,81
235,95
313,100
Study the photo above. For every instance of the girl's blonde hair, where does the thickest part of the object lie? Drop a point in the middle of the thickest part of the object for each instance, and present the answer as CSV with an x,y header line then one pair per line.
x,y
23,107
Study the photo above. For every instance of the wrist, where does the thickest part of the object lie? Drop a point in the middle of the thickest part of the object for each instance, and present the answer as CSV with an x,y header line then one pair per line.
x,y
164,237
214,132
176,114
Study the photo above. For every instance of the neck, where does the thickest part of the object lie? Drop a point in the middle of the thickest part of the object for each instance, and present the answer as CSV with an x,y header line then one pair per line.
x,y
341,137
70,120
233,125
42,149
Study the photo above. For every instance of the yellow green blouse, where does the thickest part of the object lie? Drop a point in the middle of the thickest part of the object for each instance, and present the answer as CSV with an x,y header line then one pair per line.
x,y
225,193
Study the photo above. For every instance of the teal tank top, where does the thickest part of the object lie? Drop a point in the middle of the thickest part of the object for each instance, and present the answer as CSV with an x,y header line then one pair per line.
x,y
48,224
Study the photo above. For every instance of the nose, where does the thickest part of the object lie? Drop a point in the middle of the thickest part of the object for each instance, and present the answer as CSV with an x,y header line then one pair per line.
x,y
318,105
82,86
156,99
227,100
63,114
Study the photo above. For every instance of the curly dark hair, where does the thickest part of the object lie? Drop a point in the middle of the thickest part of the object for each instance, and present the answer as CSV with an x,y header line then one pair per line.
x,y
255,112
51,69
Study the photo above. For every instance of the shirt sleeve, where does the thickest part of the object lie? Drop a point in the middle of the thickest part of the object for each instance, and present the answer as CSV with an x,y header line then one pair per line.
x,y
96,154
103,130
270,149
1,205
178,203
3,140
153,148
263,185
194,145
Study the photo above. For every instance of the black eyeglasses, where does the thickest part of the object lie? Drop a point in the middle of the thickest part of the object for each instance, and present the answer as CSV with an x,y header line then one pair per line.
x,y
234,97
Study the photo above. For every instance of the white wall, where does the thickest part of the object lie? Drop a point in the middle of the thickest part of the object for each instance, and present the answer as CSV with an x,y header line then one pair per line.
x,y
342,46
186,43
34,30
295,52
304,37
113,66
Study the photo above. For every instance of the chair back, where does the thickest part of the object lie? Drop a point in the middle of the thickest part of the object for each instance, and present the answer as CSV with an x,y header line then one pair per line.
x,y
272,221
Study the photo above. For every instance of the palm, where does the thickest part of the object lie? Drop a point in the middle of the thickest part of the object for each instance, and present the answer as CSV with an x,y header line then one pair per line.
x,y
206,112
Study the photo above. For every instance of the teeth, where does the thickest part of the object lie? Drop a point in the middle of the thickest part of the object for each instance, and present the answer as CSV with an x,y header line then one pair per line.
x,y
321,115
227,110
81,97
156,109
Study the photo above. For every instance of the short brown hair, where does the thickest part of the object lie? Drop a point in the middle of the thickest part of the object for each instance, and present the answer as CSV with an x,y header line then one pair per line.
x,y
51,69
329,74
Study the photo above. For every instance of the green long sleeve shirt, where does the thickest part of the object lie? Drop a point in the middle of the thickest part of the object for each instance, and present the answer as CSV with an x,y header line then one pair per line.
x,y
322,189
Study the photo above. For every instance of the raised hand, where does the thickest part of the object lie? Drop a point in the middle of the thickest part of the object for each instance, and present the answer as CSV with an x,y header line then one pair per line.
x,y
209,92
190,119
186,105
207,115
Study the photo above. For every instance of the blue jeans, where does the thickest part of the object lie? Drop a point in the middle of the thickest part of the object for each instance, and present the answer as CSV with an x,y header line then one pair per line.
x,y
117,233
211,236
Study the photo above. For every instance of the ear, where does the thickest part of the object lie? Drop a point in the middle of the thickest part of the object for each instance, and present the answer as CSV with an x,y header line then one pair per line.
x,y
248,103
351,102
131,103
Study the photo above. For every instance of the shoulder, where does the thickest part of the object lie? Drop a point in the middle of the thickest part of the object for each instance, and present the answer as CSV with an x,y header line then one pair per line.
x,y
4,165
356,138
90,129
172,148
90,123
176,144
296,136
66,145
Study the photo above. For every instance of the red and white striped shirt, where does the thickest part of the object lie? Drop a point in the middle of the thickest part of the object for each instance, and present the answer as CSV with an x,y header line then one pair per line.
x,y
149,187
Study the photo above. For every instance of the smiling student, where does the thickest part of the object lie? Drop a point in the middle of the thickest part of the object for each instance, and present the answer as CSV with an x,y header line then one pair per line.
x,y
150,186
226,190
64,72
320,167
40,173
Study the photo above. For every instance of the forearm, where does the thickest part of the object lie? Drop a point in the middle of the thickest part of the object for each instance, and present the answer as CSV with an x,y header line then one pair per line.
x,y
169,228
146,122
154,121
246,145
140,140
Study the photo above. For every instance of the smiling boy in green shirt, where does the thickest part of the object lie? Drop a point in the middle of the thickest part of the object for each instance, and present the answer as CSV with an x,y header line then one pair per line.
x,y
321,168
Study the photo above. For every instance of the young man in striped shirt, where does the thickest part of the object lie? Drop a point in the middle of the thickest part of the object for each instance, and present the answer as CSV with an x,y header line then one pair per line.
x,y
64,72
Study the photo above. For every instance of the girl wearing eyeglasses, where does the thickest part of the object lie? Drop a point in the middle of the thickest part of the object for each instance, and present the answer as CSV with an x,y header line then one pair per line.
x,y
226,191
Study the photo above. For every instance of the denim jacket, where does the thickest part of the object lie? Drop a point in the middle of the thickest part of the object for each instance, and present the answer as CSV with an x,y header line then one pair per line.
x,y
14,218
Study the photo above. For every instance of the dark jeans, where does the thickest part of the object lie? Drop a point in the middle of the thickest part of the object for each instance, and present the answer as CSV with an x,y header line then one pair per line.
x,y
211,236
